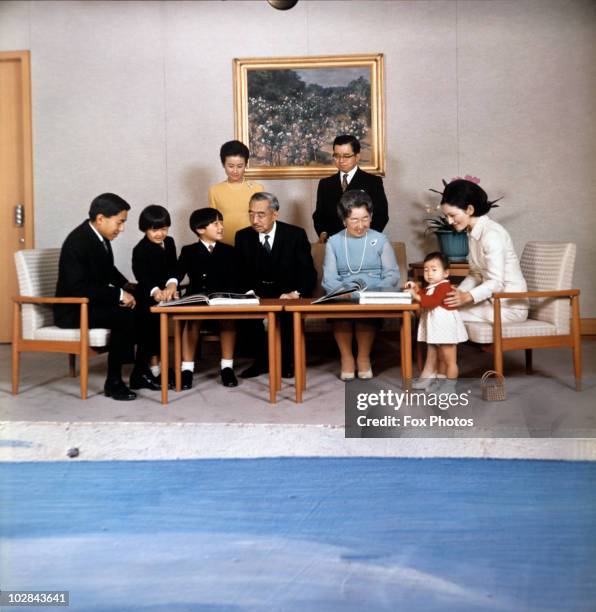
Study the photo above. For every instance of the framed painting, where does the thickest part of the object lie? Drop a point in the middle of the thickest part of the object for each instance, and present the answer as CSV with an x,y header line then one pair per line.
x,y
288,110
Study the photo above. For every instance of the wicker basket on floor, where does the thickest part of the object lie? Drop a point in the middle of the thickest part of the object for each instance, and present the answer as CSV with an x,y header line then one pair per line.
x,y
492,385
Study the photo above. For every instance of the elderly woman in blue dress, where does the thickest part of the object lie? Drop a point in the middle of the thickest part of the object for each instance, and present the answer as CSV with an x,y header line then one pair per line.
x,y
358,253
494,265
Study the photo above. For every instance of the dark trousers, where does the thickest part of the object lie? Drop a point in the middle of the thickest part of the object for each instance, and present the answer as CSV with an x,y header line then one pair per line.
x,y
256,339
147,324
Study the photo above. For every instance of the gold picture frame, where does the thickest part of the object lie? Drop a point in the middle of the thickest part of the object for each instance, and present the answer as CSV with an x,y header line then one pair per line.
x,y
288,110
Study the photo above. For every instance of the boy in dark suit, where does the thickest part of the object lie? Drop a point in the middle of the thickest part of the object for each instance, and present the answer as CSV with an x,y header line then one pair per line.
x,y
154,267
346,154
209,264
87,269
273,259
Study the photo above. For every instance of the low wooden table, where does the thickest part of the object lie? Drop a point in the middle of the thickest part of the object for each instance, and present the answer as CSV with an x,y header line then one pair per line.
x,y
267,309
457,269
304,309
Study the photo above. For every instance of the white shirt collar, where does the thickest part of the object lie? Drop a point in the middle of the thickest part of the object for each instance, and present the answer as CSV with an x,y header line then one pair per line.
x,y
206,244
350,174
271,235
101,238
479,227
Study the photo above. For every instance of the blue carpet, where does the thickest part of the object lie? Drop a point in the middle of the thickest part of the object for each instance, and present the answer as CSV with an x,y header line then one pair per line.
x,y
348,534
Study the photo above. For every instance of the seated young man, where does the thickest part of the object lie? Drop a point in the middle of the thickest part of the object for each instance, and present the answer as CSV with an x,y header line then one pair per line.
x,y
209,264
87,269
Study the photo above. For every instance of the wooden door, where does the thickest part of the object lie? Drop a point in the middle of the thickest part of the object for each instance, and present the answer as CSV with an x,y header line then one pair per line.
x,y
16,175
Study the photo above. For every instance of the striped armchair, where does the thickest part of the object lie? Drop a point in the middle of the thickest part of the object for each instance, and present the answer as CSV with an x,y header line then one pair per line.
x,y
553,319
33,320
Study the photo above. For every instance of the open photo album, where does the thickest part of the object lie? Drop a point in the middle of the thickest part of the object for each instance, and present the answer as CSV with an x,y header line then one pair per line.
x,y
342,292
218,298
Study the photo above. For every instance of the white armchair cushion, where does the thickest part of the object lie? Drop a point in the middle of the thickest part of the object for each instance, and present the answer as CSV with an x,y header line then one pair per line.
x,y
97,336
548,266
483,332
37,274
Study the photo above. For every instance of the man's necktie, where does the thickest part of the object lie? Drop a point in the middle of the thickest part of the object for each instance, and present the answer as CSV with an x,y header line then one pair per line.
x,y
211,247
266,244
106,247
344,182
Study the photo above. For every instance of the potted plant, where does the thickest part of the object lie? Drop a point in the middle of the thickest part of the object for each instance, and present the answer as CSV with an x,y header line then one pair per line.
x,y
452,243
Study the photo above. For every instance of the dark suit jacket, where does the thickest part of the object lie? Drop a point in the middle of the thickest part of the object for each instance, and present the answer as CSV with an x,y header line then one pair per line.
x,y
207,272
152,266
290,262
86,269
329,194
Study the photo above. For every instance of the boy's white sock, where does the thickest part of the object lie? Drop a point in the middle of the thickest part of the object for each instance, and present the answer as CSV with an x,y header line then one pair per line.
x,y
188,365
226,363
441,376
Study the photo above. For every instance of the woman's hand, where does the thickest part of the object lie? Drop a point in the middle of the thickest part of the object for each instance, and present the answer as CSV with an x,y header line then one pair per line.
x,y
457,298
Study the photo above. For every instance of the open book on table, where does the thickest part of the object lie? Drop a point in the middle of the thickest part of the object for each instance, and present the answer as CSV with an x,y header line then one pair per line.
x,y
343,291
218,298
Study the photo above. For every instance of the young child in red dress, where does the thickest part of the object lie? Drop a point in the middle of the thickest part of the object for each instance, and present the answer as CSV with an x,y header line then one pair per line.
x,y
440,327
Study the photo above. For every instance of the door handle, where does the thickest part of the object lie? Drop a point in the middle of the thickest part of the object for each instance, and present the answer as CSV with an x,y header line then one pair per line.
x,y
19,215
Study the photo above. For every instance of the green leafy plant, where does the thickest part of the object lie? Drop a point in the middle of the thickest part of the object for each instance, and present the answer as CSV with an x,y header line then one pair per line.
x,y
439,224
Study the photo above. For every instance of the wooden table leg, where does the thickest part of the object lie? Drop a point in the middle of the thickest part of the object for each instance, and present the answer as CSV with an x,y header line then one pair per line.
x,y
177,356
298,357
272,351
303,353
278,353
163,341
406,363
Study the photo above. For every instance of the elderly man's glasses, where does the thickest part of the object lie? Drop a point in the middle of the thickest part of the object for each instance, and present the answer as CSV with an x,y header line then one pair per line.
x,y
338,156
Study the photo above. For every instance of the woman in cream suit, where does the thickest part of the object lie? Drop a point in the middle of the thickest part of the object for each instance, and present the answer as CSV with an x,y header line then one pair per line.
x,y
494,266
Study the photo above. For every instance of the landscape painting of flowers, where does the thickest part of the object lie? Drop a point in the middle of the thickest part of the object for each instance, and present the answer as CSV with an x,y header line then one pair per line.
x,y
289,110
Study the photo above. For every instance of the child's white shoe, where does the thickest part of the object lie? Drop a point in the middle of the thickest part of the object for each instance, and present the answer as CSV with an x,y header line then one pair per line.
x,y
420,384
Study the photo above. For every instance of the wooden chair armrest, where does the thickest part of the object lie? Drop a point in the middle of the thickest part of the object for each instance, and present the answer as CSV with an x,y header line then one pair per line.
x,y
536,294
31,299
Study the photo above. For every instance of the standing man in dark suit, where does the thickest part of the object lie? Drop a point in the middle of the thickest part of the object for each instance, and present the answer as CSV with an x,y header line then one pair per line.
x,y
87,269
346,153
273,259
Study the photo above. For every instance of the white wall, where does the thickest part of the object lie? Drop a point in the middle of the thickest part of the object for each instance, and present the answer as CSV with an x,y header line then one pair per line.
x,y
136,98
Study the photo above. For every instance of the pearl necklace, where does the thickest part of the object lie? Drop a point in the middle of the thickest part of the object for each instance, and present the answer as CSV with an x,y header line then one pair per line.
x,y
346,250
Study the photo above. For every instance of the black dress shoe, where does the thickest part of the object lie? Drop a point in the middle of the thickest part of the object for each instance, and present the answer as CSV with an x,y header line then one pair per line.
x,y
228,378
254,370
116,389
145,380
287,372
187,379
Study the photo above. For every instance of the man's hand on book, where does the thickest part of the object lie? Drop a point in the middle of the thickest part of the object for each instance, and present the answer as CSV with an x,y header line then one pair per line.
x,y
293,295
170,292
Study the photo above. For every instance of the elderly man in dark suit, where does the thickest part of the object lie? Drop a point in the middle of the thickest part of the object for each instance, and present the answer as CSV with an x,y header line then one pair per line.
x,y
87,269
273,258
346,153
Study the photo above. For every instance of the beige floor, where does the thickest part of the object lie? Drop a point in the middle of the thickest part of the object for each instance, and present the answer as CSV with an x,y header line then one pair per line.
x,y
241,422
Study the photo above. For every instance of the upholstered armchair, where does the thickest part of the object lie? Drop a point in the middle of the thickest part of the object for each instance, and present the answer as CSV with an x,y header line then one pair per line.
x,y
33,320
553,319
